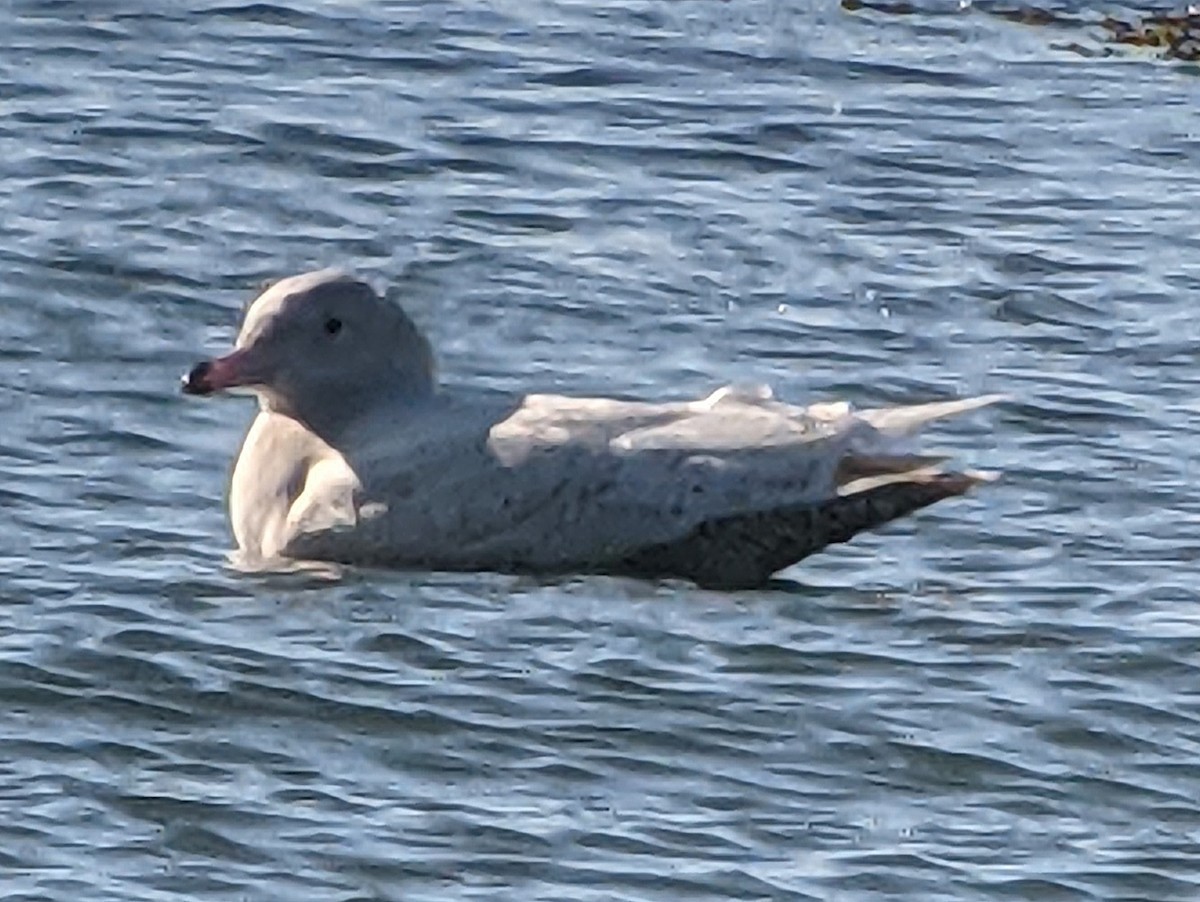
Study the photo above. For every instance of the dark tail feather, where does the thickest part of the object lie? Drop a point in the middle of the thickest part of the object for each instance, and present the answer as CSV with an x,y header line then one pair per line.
x,y
742,551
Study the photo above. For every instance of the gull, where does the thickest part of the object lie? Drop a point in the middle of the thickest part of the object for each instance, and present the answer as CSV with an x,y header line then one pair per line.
x,y
358,456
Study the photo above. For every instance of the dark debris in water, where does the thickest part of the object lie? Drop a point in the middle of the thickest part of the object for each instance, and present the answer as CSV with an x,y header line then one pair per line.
x,y
1172,35
1178,36
879,6
1030,15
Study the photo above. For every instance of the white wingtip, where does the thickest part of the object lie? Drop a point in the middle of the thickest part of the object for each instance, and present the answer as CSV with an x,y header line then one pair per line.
x,y
905,420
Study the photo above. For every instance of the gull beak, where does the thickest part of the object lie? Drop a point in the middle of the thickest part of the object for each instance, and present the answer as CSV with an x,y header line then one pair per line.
x,y
234,370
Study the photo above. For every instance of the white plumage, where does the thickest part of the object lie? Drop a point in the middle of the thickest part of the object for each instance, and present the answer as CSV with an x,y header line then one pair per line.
x,y
357,457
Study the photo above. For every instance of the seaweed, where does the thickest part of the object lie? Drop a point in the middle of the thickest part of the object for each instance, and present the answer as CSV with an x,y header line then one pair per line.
x,y
1171,35
1176,35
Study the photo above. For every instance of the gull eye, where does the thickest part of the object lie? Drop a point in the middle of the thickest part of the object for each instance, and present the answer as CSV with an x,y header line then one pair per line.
x,y
333,325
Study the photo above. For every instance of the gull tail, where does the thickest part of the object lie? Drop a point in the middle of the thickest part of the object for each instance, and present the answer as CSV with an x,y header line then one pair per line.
x,y
742,551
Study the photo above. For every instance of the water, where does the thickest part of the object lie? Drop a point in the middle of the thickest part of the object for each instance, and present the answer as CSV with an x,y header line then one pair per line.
x,y
994,700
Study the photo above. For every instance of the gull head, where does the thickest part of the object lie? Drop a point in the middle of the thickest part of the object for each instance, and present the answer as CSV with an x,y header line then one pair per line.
x,y
321,347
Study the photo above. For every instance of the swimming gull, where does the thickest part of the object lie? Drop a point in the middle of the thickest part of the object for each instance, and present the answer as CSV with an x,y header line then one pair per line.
x,y
357,456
